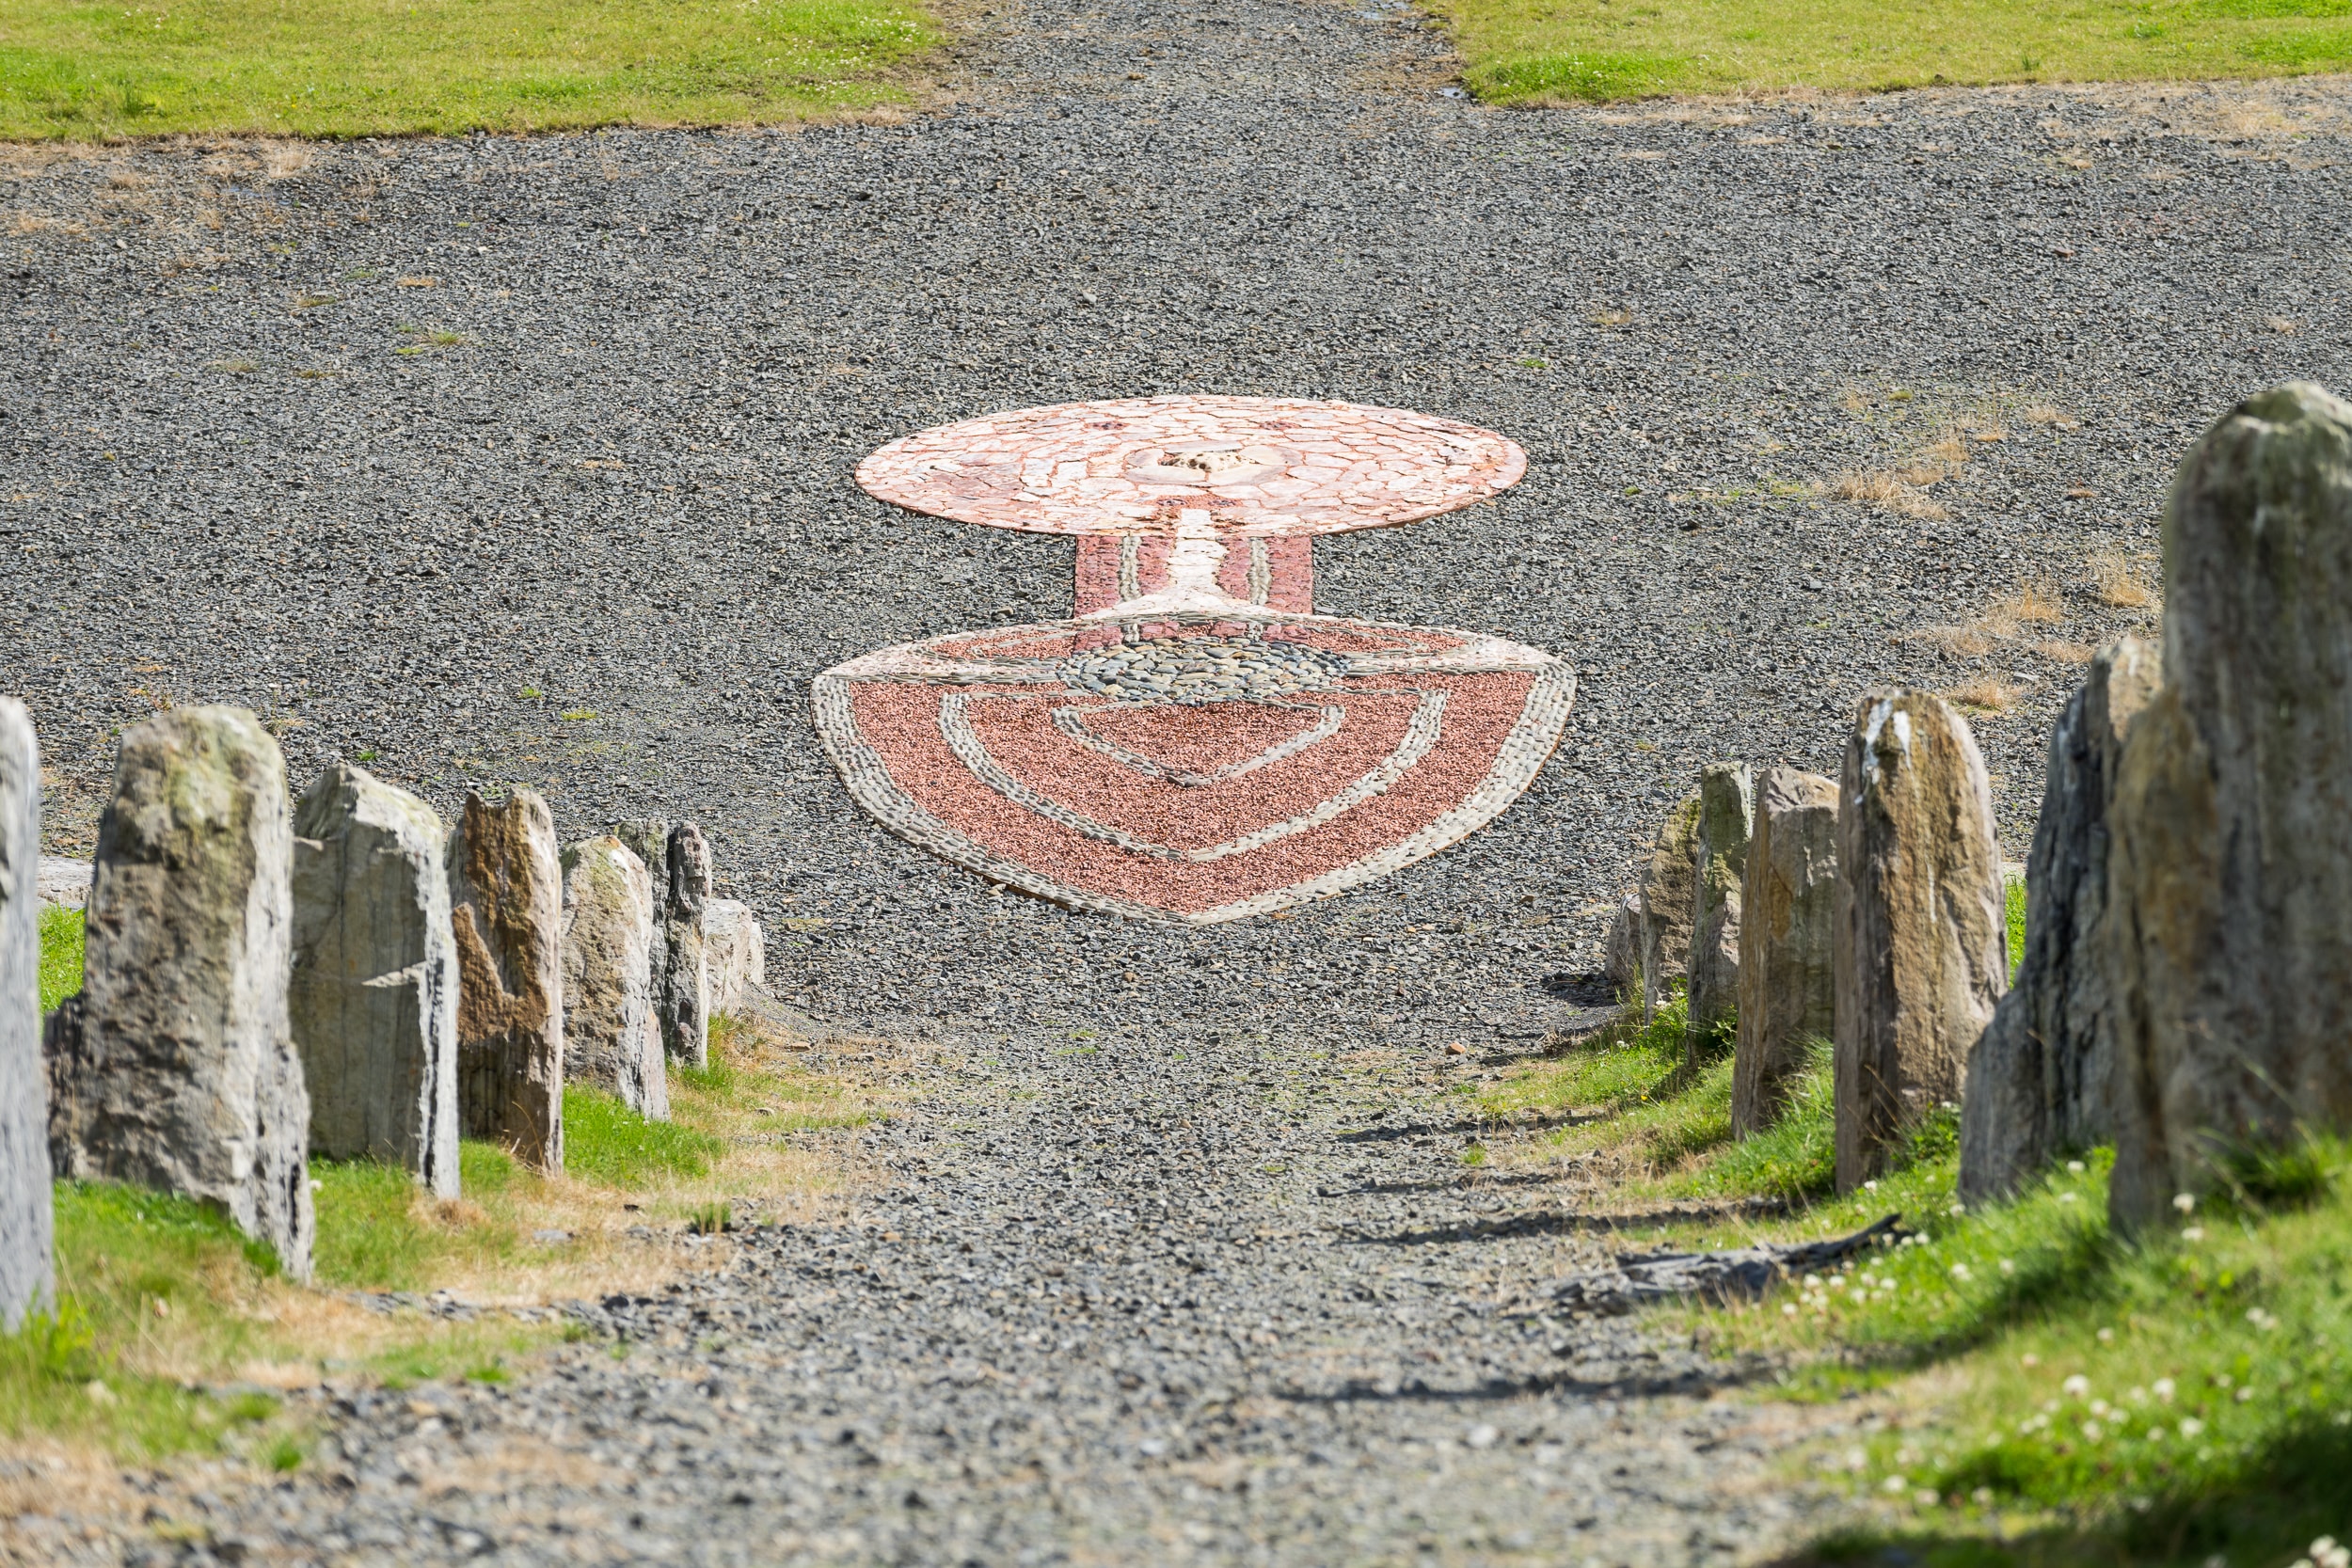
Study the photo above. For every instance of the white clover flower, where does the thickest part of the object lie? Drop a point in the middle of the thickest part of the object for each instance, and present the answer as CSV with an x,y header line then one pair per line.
x,y
2155,1434
2193,1233
1960,1271
2164,1390
1958,1208
2190,1428
1893,1484
2107,1335
2008,1267
2136,1393
1870,1186
2099,1407
2184,1202
2069,1197
2075,1388
1925,1496
2074,1168
1787,1308
2246,1393
2093,1431
1981,1496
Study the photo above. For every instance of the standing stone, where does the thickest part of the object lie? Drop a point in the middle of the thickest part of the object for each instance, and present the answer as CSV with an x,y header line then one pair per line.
x,y
648,839
181,1074
608,1036
506,905
1621,949
1921,931
735,951
1726,809
2039,1080
28,1237
1787,908
2230,863
685,1005
373,1004
1667,889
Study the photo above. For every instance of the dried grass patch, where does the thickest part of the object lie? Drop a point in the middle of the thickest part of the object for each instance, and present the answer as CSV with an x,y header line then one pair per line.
x,y
1884,491
2064,652
2047,415
2116,582
1984,696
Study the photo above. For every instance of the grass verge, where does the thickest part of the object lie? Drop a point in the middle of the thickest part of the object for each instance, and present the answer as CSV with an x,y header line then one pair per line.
x,y
346,68
2034,1389
1550,52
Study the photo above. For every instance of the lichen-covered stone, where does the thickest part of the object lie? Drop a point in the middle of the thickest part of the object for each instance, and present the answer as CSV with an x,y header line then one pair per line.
x,y
1668,885
2229,861
27,1227
684,1001
372,1002
506,906
1787,908
184,1076
609,1035
2039,1079
1719,857
735,952
1921,931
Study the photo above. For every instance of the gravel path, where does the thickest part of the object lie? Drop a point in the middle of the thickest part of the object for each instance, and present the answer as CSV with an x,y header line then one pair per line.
x,y
528,460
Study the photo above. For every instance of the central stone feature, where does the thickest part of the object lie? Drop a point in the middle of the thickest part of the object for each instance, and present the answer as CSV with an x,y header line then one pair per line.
x,y
1193,743
1191,669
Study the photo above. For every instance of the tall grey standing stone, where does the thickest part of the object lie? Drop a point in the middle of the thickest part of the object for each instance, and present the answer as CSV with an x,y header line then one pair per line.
x,y
2038,1079
373,1002
1726,812
1621,948
685,1005
182,1073
1788,912
648,839
609,1036
2229,861
1667,889
506,906
735,952
1921,931
27,1233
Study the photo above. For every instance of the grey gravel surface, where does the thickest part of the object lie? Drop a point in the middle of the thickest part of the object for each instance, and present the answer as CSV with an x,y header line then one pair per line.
x,y
528,460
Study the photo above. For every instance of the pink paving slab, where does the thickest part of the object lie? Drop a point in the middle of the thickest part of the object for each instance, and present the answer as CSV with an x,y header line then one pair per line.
x,y
1260,466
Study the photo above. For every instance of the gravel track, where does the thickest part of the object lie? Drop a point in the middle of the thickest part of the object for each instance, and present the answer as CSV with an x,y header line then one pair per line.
x,y
599,533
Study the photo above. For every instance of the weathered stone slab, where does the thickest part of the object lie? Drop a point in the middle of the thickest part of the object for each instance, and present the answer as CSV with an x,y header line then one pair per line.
x,y
735,952
684,1002
648,839
65,882
1788,907
1621,947
506,905
2038,1079
2230,865
609,1036
1667,890
373,1002
28,1237
1727,815
184,1076
1921,931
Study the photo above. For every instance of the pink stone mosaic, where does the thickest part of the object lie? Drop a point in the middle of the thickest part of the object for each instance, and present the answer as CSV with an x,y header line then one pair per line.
x,y
1195,743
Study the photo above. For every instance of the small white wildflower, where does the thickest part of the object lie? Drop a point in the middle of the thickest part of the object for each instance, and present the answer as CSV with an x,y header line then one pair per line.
x,y
2184,1202
1857,1460
1925,1496
1960,1271
2076,1386
2164,1390
2029,1359
2093,1431
2136,1393
2246,1393
2190,1428
1981,1496
2155,1434
2008,1267
2194,1233
2074,1168
2107,1335
2100,1407
1870,1186
1787,1308
2069,1197
1958,1208
1893,1484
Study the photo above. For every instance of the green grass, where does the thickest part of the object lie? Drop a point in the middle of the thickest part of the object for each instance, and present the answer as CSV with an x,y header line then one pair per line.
x,y
1538,52
60,955
343,68
605,1141
2014,892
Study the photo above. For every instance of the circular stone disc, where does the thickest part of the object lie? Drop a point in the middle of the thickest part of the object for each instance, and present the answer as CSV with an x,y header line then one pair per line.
x,y
1258,465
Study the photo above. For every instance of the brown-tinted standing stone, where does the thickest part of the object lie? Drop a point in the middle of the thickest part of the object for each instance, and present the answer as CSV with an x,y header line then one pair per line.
x,y
2038,1079
1726,812
608,1036
178,1071
1787,981
1668,887
1921,931
27,1224
506,902
1621,949
2229,857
